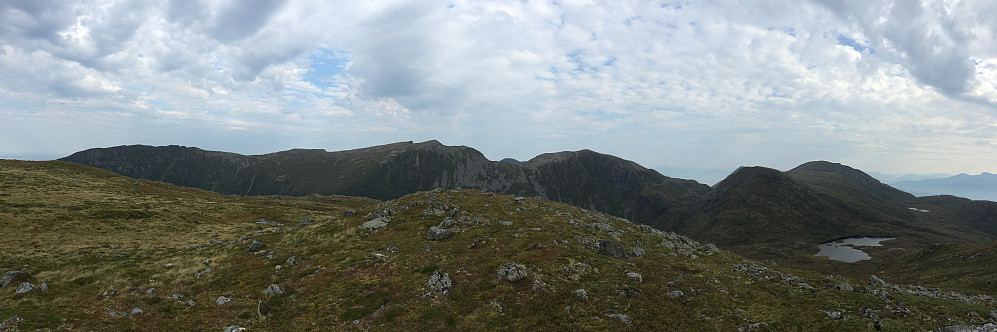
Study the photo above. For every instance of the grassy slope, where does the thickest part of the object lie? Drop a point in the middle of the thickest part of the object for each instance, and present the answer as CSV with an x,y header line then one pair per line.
x,y
348,279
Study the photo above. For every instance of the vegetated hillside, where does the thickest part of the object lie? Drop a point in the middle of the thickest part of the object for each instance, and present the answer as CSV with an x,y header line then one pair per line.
x,y
597,181
437,260
968,266
977,187
764,213
758,212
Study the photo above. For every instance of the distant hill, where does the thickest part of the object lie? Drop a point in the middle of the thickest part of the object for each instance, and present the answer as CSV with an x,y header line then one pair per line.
x,y
978,187
583,178
762,212
755,211
512,161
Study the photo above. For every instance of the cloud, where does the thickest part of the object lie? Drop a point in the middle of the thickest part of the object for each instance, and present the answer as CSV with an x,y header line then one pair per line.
x,y
931,38
691,83
240,19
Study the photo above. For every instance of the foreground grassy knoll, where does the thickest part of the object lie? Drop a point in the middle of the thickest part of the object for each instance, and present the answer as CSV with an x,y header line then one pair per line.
x,y
119,254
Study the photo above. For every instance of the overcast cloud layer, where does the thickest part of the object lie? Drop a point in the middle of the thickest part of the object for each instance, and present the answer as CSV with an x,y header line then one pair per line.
x,y
887,86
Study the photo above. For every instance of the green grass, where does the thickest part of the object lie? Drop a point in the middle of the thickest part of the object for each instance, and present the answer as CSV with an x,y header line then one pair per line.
x,y
347,279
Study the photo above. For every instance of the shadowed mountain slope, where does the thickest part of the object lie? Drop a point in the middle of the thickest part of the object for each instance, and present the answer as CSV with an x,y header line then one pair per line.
x,y
755,211
583,178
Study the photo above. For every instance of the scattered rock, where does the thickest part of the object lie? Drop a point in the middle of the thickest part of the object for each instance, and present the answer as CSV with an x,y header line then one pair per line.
x,y
439,283
291,261
275,289
710,249
495,306
621,317
25,288
11,323
349,213
190,303
438,234
844,286
149,292
305,221
575,271
43,287
255,246
168,265
876,282
13,277
993,314
754,327
834,315
447,223
512,272
988,327
222,300
136,311
234,328
675,294
582,294
507,223
269,222
637,251
199,273
113,246
600,227
611,249
635,276
375,223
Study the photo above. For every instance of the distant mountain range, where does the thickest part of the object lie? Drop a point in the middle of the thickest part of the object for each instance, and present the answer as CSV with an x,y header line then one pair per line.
x,y
979,187
758,211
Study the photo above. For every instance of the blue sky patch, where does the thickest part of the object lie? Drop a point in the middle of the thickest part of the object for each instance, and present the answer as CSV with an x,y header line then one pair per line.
x,y
325,65
855,45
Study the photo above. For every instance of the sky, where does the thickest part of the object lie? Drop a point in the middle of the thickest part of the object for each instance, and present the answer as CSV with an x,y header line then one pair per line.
x,y
886,86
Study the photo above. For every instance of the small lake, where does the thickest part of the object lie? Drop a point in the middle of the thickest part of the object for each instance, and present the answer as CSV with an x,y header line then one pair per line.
x,y
845,251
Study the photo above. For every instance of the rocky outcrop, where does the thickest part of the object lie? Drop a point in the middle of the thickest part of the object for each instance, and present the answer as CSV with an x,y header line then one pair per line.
x,y
439,283
13,277
512,272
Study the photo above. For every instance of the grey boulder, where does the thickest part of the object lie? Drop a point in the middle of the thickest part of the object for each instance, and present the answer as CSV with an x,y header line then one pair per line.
x,y
374,223
439,283
512,272
438,234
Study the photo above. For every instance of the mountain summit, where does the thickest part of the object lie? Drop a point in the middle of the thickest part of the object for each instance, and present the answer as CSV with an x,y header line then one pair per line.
x,y
583,178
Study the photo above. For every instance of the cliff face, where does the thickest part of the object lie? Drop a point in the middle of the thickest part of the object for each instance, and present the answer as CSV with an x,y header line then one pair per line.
x,y
583,178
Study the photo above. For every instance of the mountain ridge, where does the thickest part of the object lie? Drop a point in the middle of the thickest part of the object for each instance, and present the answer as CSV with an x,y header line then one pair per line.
x,y
393,170
791,211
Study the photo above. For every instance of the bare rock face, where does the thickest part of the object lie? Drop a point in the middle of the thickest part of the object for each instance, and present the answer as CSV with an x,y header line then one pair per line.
x,y
512,272
438,234
275,289
222,300
374,223
612,249
255,246
439,283
25,288
874,281
13,277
